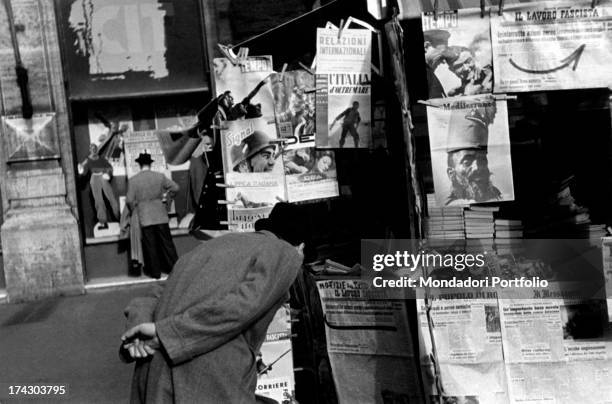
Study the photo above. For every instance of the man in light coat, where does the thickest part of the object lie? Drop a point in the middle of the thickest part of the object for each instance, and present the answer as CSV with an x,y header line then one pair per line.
x,y
145,197
196,339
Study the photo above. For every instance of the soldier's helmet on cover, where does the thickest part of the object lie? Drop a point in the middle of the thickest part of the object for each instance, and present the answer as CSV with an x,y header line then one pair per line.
x,y
256,142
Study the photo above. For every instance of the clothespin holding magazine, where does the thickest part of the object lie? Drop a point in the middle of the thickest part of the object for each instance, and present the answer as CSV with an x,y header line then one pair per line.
x,y
235,59
352,20
313,66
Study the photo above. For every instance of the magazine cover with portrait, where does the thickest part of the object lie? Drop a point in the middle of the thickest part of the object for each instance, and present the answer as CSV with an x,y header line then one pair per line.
x,y
253,170
310,174
470,151
458,55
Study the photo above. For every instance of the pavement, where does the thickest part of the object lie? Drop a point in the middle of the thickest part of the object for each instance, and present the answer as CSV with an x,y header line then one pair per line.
x,y
67,340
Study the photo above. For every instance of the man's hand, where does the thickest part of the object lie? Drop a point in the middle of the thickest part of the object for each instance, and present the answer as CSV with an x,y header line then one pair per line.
x,y
139,349
331,126
106,177
141,341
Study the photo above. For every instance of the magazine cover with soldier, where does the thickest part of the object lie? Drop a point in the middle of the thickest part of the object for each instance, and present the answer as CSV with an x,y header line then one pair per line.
x,y
310,174
275,377
344,110
294,103
244,90
253,171
458,55
470,151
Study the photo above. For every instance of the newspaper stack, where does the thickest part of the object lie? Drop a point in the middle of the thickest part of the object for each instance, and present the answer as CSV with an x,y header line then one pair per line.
x,y
443,222
508,229
508,236
479,222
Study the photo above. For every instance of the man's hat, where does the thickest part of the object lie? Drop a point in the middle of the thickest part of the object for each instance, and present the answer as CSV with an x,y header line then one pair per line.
x,y
436,37
254,143
432,57
144,159
286,222
467,131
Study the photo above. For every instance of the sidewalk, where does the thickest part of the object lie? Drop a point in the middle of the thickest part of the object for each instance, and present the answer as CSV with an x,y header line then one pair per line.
x,y
68,340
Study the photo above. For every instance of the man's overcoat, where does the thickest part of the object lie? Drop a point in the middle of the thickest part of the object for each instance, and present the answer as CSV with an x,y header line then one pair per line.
x,y
211,318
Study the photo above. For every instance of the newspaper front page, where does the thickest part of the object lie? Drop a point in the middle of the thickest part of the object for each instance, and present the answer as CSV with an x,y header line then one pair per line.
x,y
461,351
552,46
470,150
458,53
543,344
253,171
557,351
369,343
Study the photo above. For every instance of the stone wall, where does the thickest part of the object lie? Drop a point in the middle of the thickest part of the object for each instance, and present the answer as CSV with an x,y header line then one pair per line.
x,y
41,245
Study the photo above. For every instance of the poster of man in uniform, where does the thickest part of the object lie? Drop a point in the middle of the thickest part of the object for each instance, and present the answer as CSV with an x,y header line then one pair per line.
x,y
253,171
552,46
310,174
470,151
458,53
294,103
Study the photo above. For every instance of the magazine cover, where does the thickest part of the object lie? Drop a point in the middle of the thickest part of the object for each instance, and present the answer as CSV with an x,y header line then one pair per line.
x,y
552,46
344,110
470,151
294,103
310,174
245,88
275,360
253,171
458,53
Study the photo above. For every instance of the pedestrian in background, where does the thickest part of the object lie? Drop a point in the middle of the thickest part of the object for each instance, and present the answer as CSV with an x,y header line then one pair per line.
x,y
146,193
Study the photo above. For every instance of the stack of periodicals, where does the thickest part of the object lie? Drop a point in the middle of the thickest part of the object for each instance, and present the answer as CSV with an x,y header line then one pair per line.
x,y
508,236
443,222
479,222
506,229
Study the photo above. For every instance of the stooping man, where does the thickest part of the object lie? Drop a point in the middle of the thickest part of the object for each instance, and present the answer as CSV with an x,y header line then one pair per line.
x,y
196,339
